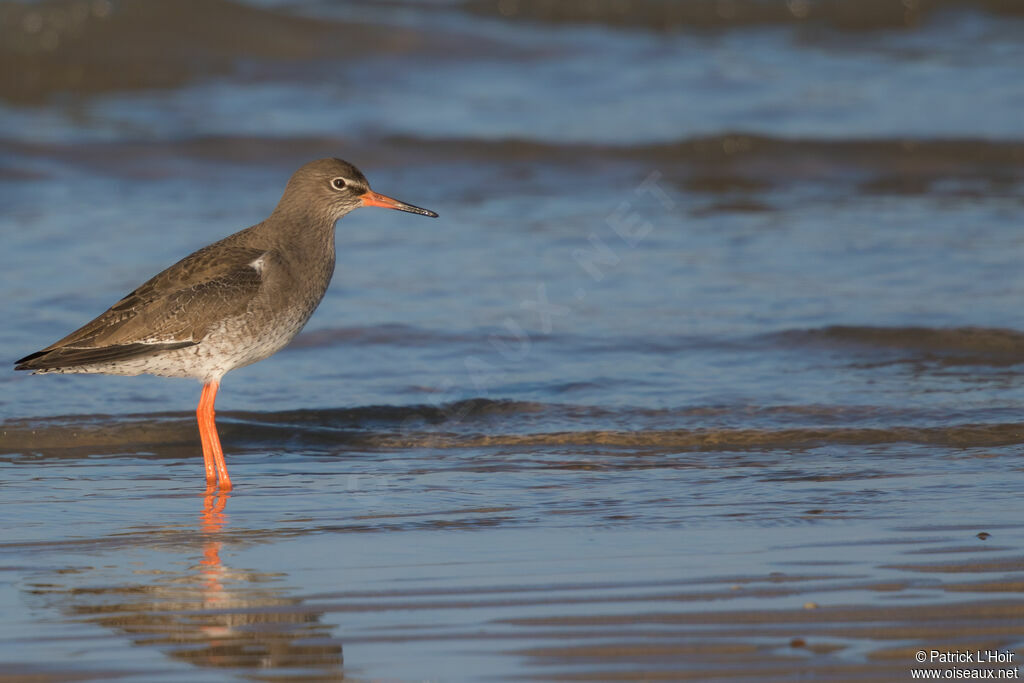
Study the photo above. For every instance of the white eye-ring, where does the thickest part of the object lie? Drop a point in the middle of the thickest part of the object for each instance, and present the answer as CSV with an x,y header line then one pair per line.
x,y
339,183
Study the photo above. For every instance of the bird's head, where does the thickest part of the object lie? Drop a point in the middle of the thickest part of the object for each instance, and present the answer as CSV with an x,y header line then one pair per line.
x,y
333,187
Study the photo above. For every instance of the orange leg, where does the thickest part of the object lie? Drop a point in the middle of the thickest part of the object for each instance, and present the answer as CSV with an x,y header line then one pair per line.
x,y
213,455
208,459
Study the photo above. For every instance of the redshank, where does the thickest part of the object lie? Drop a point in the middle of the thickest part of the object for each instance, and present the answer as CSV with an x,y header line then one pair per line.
x,y
227,305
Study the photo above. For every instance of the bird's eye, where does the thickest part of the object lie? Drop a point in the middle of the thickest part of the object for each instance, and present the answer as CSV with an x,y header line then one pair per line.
x,y
339,183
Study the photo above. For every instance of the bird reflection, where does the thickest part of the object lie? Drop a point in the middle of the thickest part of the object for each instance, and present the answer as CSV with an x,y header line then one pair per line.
x,y
211,521
214,616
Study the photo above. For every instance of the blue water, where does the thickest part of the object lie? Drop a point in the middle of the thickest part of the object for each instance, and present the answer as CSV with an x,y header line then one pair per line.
x,y
717,341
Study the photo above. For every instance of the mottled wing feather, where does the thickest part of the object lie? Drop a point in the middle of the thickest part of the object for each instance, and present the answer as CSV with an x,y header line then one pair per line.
x,y
174,309
71,357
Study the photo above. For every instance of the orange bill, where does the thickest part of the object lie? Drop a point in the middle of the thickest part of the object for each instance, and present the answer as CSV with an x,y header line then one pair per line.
x,y
371,198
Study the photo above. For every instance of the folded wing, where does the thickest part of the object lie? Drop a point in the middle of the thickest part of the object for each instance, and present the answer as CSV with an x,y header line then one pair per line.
x,y
173,310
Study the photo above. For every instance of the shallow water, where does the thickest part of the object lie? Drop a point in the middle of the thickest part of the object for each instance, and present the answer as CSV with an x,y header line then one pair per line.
x,y
711,367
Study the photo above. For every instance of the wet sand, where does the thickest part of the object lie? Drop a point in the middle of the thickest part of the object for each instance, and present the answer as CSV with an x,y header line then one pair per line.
x,y
483,563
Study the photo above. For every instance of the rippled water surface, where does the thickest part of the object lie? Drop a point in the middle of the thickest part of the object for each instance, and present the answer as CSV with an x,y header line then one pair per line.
x,y
711,367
